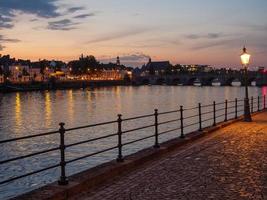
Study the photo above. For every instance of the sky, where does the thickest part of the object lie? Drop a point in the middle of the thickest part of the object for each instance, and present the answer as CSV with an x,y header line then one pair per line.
x,y
209,32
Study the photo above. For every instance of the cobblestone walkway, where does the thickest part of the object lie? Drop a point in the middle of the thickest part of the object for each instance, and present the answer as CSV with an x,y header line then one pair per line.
x,y
229,164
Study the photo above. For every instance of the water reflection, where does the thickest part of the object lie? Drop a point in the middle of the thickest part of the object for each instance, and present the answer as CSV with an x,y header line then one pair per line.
x,y
118,99
264,91
18,113
35,112
48,111
70,105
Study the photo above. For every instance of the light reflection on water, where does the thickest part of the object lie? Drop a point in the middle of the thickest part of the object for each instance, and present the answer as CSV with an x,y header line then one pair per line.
x,y
35,112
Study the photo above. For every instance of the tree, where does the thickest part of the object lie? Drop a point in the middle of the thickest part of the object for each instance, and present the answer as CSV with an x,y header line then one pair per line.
x,y
24,72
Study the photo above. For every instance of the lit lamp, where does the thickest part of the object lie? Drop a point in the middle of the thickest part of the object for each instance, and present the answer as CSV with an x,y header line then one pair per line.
x,y
245,57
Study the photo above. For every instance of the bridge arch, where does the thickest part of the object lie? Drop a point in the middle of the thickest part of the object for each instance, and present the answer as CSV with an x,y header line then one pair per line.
x,y
191,81
145,81
160,81
234,81
176,81
209,81
251,80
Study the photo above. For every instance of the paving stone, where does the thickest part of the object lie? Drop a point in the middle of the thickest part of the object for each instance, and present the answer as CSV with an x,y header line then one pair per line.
x,y
229,164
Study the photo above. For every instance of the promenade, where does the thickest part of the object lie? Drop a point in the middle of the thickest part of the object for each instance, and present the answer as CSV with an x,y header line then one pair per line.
x,y
230,163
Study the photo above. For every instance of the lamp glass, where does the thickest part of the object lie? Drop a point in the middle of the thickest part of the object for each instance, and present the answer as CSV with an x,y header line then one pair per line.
x,y
245,57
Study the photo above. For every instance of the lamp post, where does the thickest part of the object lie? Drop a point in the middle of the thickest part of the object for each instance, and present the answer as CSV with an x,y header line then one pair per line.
x,y
245,57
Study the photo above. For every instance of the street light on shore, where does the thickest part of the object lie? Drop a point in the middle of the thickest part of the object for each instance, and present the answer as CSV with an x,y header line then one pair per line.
x,y
245,57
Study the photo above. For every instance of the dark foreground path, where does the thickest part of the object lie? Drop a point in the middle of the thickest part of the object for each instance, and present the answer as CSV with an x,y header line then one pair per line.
x,y
229,164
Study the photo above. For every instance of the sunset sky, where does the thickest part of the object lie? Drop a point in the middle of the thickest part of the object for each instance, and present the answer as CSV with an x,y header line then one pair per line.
x,y
182,31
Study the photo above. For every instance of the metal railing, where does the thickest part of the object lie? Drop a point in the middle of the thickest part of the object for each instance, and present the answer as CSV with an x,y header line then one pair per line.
x,y
198,116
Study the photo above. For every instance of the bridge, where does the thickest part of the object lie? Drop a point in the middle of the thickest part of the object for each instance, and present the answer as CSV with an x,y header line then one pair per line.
x,y
204,78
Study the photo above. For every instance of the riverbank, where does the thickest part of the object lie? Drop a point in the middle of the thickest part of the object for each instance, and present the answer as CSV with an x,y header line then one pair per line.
x,y
57,85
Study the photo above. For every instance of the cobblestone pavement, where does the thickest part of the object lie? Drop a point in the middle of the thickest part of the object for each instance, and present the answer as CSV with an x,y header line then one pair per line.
x,y
229,164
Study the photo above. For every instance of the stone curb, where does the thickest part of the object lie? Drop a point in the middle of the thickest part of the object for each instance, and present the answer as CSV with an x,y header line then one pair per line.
x,y
86,180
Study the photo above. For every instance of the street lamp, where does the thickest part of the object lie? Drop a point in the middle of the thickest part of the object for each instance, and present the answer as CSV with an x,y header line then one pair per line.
x,y
245,57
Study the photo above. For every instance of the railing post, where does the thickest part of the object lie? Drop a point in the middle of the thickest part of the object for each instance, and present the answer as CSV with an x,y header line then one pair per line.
x,y
264,100
199,115
182,122
214,113
235,108
63,179
156,129
251,104
225,112
119,158
258,103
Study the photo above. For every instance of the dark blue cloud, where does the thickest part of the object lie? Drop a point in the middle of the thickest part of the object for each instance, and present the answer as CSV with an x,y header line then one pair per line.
x,y
64,24
82,16
74,9
207,36
3,39
119,35
5,21
40,8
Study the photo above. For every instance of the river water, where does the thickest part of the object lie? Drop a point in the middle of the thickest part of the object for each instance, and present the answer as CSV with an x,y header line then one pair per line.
x,y
36,112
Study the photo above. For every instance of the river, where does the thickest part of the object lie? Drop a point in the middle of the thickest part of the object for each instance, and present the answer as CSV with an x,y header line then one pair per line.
x,y
36,112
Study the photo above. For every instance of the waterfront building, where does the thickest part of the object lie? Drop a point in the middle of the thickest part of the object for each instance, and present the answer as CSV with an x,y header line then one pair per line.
x,y
35,74
19,74
156,68
58,75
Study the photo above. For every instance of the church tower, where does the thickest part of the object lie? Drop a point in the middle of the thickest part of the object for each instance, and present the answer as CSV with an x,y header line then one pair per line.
x,y
118,61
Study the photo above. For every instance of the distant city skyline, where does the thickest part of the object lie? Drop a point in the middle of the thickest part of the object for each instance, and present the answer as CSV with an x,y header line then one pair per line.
x,y
187,32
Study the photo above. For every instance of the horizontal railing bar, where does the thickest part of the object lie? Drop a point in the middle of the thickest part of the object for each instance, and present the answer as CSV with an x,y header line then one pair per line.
x,y
192,116
168,112
205,120
220,103
170,121
208,112
192,108
91,125
168,131
91,154
207,105
29,155
138,117
28,136
29,174
232,101
256,101
220,115
91,140
229,107
188,125
138,140
233,112
140,128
